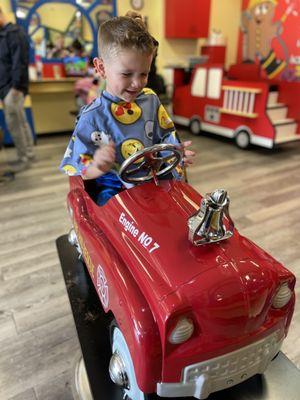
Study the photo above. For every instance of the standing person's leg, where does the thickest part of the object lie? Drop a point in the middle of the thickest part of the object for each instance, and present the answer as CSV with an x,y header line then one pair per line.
x,y
14,117
27,132
5,173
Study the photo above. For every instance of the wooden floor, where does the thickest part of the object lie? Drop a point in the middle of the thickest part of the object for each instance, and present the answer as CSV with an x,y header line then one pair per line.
x,y
38,340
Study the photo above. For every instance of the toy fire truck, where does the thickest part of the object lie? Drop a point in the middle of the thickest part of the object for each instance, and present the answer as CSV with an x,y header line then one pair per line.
x,y
247,111
196,306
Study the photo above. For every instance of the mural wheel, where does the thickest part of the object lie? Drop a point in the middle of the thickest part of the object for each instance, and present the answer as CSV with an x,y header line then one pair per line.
x,y
242,139
195,126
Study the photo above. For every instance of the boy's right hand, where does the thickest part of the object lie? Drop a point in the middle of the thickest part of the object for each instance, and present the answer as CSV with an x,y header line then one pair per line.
x,y
104,157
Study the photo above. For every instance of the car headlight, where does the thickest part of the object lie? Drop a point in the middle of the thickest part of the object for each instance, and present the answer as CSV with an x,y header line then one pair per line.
x,y
182,331
282,296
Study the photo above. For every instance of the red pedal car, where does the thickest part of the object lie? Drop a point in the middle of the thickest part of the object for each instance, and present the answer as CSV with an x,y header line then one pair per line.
x,y
197,307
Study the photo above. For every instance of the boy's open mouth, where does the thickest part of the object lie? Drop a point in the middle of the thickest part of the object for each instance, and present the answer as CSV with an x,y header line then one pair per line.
x,y
132,91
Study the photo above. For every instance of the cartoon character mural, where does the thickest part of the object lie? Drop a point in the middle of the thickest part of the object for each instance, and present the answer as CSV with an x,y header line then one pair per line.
x,y
266,38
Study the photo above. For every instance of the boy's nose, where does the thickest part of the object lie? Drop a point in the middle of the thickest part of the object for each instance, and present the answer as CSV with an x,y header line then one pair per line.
x,y
134,85
137,83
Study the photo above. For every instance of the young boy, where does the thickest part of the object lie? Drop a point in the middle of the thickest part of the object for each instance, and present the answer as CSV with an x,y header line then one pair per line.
x,y
127,117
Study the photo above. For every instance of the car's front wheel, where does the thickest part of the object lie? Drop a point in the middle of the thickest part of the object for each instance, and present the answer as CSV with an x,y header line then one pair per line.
x,y
121,367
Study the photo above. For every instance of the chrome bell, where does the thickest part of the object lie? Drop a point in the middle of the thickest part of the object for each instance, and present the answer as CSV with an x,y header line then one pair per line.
x,y
207,225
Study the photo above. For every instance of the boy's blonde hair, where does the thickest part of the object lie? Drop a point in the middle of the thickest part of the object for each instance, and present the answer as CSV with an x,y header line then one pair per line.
x,y
123,33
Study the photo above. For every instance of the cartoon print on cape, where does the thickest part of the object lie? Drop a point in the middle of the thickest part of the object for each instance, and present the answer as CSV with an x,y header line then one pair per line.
x,y
126,113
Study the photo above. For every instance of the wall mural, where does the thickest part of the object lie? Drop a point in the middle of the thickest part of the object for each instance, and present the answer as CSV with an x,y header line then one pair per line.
x,y
63,28
270,36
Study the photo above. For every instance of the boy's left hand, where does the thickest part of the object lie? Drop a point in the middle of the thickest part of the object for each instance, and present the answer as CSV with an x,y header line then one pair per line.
x,y
188,155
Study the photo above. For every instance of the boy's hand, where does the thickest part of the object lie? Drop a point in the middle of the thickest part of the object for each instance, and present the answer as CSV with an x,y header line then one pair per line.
x,y
188,155
104,157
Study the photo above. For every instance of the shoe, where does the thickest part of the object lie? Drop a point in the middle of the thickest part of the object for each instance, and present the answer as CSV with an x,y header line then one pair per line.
x,y
21,166
31,157
6,176
14,162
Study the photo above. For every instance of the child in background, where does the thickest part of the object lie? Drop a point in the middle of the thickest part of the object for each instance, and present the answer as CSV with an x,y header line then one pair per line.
x,y
127,117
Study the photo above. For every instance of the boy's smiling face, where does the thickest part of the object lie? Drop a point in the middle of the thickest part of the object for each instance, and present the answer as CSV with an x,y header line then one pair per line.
x,y
126,72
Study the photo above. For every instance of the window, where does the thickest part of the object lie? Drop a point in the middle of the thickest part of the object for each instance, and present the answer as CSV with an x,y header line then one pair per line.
x,y
199,83
214,83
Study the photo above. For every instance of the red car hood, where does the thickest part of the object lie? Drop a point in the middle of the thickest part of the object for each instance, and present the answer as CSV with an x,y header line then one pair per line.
x,y
148,227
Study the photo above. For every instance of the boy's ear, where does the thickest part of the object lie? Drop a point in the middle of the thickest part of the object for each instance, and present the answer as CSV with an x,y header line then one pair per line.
x,y
99,66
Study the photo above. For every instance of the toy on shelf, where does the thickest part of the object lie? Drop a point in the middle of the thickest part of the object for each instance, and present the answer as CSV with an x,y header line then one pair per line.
x,y
196,306
87,89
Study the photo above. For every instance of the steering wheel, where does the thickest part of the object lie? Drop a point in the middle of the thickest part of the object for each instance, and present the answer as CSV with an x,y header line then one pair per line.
x,y
152,163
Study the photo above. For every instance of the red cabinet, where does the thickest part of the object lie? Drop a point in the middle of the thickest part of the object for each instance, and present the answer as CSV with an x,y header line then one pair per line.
x,y
187,18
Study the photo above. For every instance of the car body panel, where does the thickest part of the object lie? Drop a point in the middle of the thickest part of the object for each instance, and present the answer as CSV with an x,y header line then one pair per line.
x,y
140,239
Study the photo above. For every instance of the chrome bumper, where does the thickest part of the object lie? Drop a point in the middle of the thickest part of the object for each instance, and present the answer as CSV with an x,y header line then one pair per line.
x,y
201,379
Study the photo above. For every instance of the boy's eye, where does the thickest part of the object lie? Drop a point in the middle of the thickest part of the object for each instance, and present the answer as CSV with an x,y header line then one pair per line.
x,y
126,74
257,10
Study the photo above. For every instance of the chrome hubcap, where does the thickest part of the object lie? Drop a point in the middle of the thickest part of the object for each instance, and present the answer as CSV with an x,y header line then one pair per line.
x,y
72,238
117,371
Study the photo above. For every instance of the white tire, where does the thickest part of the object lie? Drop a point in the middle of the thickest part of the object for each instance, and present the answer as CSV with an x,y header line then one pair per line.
x,y
80,384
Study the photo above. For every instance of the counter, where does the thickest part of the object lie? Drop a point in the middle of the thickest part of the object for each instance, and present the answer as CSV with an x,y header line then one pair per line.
x,y
52,100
